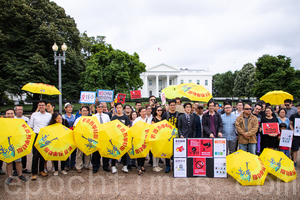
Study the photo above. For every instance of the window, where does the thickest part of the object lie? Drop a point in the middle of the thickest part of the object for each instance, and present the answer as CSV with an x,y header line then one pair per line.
x,y
160,82
206,82
198,82
150,82
190,81
181,81
150,93
170,82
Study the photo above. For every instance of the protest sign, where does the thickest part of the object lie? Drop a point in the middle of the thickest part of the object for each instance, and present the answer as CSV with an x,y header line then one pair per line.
x,y
179,147
193,147
136,94
286,138
199,168
105,95
219,147
121,98
206,147
220,168
297,127
180,167
163,98
270,128
87,97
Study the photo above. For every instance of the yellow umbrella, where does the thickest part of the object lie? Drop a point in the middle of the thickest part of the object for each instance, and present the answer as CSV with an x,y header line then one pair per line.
x,y
55,142
16,139
86,134
246,168
161,139
139,136
114,139
171,92
194,92
278,164
41,88
276,97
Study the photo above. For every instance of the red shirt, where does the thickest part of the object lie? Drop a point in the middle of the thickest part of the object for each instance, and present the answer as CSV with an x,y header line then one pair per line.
x,y
283,148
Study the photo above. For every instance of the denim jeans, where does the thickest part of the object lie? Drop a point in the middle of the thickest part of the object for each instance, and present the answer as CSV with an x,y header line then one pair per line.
x,y
73,159
286,152
251,147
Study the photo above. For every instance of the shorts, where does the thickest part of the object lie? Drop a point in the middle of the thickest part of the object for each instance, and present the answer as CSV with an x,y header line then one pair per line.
x,y
18,160
296,143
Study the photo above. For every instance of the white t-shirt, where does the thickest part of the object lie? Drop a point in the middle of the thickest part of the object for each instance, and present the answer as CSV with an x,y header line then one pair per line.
x,y
39,120
26,119
105,117
141,119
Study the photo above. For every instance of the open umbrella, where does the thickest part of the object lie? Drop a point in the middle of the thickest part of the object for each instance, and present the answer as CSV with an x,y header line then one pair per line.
x,y
276,97
16,139
114,139
161,139
139,136
278,164
41,88
171,92
55,142
246,168
86,134
194,92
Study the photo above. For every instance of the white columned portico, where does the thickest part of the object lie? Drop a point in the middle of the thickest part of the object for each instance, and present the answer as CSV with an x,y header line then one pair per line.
x,y
156,86
146,85
168,80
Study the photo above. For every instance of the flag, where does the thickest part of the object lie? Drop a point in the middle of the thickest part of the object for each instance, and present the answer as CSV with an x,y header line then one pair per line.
x,y
159,49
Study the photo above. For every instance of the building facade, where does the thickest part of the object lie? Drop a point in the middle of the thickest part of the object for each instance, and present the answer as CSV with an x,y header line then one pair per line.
x,y
161,76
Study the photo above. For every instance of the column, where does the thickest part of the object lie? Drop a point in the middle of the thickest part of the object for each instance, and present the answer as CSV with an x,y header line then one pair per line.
x,y
168,81
156,86
145,86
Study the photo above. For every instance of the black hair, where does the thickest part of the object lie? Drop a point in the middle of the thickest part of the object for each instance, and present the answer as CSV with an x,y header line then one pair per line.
x,y
186,104
54,116
9,110
138,102
288,101
130,115
148,106
268,105
42,101
216,104
141,109
87,107
172,101
240,102
155,113
227,103
151,97
282,125
210,101
51,103
262,102
298,105
117,104
269,108
281,110
178,98
98,103
126,106
258,104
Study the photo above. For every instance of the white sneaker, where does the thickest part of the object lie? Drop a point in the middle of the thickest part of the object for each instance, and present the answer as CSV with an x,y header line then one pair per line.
x,y
124,169
64,172
113,169
159,168
56,173
155,169
46,171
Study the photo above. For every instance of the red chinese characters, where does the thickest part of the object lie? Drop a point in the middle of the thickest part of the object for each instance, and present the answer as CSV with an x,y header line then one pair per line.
x,y
125,135
93,125
58,153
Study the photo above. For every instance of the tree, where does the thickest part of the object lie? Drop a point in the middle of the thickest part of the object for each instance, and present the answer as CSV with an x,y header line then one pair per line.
x,y
276,73
244,81
112,69
87,43
223,84
28,31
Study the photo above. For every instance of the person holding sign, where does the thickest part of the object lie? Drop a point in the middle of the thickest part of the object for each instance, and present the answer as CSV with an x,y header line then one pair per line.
x,y
296,140
285,150
269,140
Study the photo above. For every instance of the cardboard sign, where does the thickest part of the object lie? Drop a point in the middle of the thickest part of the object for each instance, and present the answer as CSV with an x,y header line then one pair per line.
x,y
87,97
121,98
136,94
220,168
297,127
270,128
105,95
179,147
193,147
199,167
206,147
180,167
163,98
219,147
286,138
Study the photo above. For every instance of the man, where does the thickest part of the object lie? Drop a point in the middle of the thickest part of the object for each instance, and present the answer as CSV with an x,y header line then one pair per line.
x,y
217,107
229,131
127,109
296,139
102,118
38,120
171,116
9,113
263,109
196,104
239,106
19,115
125,120
152,102
179,107
198,125
70,119
186,123
256,111
247,126
290,109
212,122
50,107
138,105
199,112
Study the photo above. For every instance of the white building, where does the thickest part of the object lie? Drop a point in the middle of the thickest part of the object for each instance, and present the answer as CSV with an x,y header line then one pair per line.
x,y
161,76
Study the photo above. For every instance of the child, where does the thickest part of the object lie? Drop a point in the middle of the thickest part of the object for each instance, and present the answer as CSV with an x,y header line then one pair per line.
x,y
285,150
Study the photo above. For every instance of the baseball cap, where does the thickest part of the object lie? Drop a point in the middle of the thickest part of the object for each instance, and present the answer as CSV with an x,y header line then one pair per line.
x,y
68,104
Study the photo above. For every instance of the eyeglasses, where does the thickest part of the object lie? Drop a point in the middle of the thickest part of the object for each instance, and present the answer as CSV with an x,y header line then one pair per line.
x,y
159,110
227,107
84,110
247,108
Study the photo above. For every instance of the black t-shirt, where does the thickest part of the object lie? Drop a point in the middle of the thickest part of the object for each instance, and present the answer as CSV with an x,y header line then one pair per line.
x,y
124,119
155,120
293,116
172,119
153,110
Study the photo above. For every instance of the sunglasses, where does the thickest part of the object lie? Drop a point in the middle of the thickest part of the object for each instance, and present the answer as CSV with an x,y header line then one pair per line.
x,y
247,108
100,106
159,110
287,104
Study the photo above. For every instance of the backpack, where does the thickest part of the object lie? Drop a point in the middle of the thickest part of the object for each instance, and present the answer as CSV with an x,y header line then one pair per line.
x,y
168,115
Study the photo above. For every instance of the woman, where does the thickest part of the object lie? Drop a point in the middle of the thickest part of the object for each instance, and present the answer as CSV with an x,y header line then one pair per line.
x,y
270,140
282,119
143,117
56,118
157,117
133,115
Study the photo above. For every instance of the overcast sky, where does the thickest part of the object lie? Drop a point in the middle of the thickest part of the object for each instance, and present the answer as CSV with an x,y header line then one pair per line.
x,y
197,34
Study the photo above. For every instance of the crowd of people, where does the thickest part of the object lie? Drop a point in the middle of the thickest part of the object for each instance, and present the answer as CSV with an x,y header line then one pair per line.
x,y
240,125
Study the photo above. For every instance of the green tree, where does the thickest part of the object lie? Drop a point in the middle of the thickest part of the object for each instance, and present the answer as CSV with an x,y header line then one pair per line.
x,y
276,73
112,69
245,81
87,43
223,84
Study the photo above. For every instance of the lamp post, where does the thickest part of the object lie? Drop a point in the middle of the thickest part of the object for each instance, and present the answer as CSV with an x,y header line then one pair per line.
x,y
59,58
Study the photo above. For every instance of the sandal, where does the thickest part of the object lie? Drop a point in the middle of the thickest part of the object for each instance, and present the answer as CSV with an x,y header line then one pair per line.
x,y
144,170
140,173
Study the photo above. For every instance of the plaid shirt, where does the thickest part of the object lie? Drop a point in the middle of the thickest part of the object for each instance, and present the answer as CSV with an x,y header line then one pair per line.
x,y
229,130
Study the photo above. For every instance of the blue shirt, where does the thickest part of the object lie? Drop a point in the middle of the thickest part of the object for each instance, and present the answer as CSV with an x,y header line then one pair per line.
x,y
287,122
229,130
70,120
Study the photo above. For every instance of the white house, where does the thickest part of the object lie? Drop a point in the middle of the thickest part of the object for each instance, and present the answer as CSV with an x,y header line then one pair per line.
x,y
161,76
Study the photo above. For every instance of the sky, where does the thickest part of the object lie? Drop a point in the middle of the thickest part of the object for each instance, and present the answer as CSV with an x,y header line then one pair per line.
x,y
218,35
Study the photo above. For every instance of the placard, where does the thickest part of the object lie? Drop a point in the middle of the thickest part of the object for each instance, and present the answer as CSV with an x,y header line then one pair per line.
x,y
121,98
286,138
199,167
219,147
206,147
163,98
179,147
193,147
87,97
180,167
136,94
270,128
105,95
297,127
220,168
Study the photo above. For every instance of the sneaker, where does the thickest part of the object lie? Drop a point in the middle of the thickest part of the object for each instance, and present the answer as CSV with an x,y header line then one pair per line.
x,y
15,173
22,178
295,163
2,172
26,171
167,170
8,181
56,173
113,169
43,174
124,169
64,172
156,169
45,171
79,171
33,177
159,168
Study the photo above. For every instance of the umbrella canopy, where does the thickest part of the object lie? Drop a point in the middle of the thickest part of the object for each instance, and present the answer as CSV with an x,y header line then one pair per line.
x,y
139,136
16,139
161,139
276,97
171,92
278,164
86,134
41,88
114,139
246,168
55,142
194,92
